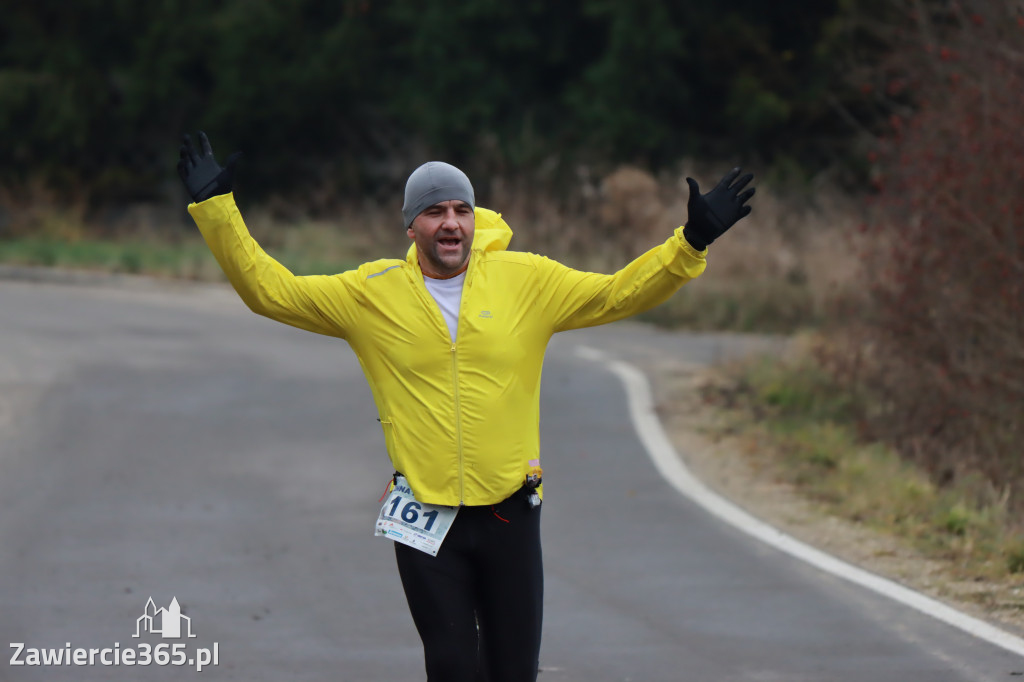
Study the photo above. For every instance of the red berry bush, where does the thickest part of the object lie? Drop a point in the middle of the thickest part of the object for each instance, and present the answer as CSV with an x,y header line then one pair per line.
x,y
943,338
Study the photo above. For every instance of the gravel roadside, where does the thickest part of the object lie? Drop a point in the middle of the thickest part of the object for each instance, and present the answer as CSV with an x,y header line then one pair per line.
x,y
730,466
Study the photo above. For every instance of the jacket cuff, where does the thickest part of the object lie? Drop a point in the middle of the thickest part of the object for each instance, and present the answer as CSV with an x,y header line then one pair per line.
x,y
687,248
215,207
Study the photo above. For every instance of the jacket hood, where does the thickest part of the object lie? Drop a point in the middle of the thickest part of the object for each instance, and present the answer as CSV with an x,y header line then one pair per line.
x,y
491,233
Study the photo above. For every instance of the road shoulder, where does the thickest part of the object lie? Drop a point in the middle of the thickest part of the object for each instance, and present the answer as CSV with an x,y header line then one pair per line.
x,y
730,466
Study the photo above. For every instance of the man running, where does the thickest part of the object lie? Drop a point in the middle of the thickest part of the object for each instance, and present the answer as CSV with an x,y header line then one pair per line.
x,y
452,341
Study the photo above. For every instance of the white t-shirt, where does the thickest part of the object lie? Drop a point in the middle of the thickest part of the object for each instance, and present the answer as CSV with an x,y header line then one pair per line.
x,y
448,294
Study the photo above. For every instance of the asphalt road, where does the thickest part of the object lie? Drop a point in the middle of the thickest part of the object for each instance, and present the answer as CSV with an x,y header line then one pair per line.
x,y
171,444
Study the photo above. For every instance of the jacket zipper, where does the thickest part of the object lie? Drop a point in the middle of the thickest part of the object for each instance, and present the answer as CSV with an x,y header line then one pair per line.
x,y
470,271
429,301
458,427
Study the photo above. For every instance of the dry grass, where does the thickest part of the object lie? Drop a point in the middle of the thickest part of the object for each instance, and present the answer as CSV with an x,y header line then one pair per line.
x,y
803,427
777,270
773,272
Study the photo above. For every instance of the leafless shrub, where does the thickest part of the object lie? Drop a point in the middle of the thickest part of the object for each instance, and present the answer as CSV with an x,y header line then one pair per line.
x,y
943,344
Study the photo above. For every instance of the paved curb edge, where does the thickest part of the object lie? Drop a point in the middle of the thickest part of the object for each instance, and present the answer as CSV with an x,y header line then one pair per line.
x,y
671,467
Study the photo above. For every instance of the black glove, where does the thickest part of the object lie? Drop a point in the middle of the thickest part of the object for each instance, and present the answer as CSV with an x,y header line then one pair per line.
x,y
202,176
712,214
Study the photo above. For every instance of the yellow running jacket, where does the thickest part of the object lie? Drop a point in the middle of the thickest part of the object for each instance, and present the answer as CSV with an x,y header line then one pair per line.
x,y
461,420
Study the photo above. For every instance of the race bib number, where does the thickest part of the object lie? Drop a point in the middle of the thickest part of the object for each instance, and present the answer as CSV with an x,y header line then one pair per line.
x,y
404,519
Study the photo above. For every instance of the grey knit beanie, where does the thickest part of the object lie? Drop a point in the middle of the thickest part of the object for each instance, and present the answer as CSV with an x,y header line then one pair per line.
x,y
432,183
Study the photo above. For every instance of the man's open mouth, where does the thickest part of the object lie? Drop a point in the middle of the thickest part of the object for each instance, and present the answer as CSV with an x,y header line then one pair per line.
x,y
449,242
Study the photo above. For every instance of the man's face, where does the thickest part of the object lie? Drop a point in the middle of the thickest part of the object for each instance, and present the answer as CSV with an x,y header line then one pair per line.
x,y
443,234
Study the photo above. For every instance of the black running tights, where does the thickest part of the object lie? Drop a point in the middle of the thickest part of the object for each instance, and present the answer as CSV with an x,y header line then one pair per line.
x,y
477,605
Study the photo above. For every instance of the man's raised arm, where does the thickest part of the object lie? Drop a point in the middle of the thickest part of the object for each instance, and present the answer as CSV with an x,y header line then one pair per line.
x,y
584,299
324,304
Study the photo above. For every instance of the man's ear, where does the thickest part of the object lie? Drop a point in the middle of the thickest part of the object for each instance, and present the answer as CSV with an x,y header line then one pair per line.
x,y
412,235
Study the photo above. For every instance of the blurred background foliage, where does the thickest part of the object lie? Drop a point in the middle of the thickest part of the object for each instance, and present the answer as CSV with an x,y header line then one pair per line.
x,y
347,96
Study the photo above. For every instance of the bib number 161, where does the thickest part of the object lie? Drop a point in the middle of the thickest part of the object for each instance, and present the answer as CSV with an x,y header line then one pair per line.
x,y
405,519
412,513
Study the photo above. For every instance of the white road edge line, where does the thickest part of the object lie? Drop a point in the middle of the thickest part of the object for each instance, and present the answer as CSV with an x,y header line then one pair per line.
x,y
670,465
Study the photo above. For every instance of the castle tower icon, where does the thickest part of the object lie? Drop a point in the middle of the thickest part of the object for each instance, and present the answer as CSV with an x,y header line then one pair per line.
x,y
165,622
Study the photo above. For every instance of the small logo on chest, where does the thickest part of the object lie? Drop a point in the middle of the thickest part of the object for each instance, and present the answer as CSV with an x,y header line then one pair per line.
x,y
486,314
